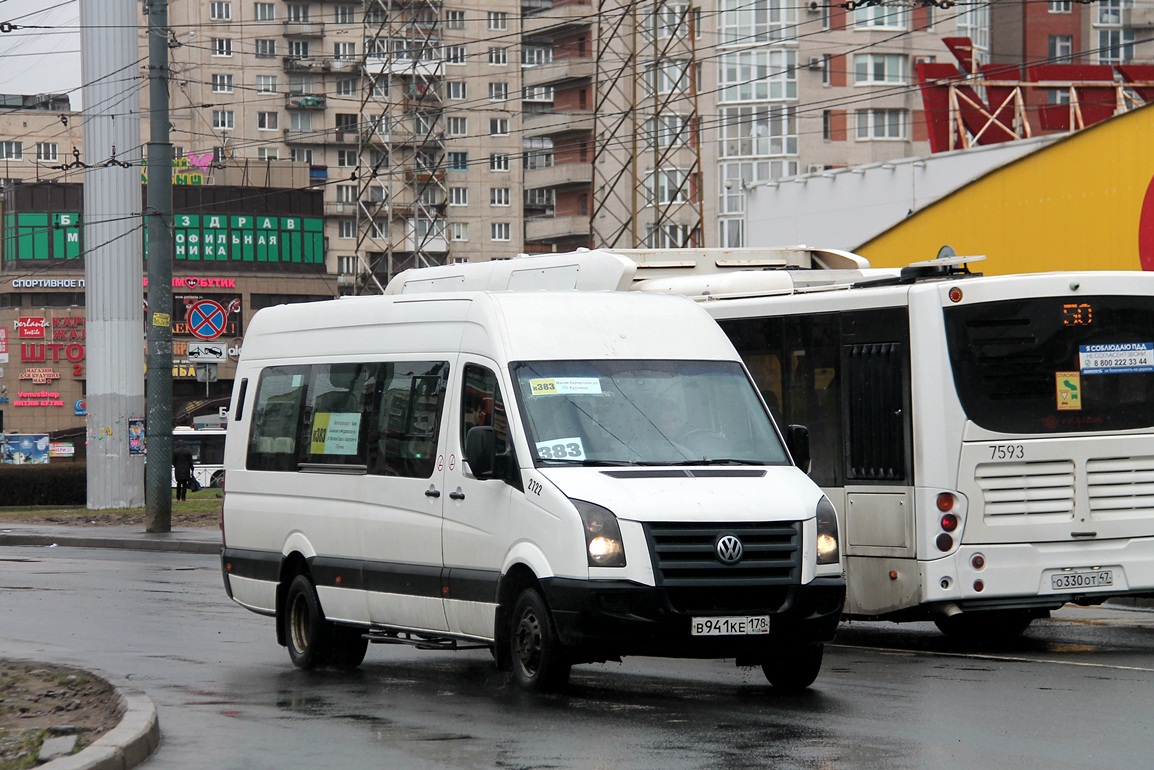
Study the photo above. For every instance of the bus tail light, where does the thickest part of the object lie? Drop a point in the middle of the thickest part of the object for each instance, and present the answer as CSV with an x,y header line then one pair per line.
x,y
977,561
949,522
944,542
945,502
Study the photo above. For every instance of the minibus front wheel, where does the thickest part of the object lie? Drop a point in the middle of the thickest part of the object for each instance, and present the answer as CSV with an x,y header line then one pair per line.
x,y
539,659
792,670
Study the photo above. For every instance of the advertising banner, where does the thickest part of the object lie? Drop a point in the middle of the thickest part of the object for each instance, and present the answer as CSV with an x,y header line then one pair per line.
x,y
24,449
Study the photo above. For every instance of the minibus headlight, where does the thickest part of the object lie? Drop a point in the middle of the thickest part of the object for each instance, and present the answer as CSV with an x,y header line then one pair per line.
x,y
603,546
827,547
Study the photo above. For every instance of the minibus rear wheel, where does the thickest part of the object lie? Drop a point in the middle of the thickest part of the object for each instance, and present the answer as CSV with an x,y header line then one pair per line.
x,y
539,660
308,635
793,670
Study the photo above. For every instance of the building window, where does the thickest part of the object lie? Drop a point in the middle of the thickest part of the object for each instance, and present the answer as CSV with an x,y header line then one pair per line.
x,y
758,22
758,130
499,196
454,54
346,228
882,17
498,56
345,14
1061,47
346,158
265,49
267,153
758,75
347,265
667,186
218,11
456,89
222,84
298,12
1110,12
458,196
881,124
1060,6
1115,46
347,87
454,19
500,231
458,126
346,123
346,193
667,131
47,151
542,94
536,55
10,150
345,51
668,76
266,84
458,161
267,121
499,161
300,121
498,127
221,46
298,49
667,236
871,68
458,231
498,92
301,155
498,20
223,120
264,11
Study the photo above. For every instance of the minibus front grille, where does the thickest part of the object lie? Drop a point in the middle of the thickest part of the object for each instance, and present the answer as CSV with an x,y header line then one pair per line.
x,y
687,565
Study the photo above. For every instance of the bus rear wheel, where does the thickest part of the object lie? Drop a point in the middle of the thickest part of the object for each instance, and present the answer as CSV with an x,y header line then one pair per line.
x,y
308,635
993,626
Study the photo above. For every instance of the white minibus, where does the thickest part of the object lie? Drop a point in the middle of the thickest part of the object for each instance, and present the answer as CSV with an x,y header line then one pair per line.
x,y
561,476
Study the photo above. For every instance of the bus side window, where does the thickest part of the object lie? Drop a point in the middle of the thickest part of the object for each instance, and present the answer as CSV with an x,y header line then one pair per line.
x,y
412,399
276,422
812,346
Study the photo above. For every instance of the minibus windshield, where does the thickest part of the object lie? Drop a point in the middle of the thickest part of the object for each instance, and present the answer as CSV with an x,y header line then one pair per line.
x,y
626,412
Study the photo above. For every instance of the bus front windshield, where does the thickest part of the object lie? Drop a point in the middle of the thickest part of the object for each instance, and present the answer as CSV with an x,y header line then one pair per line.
x,y
625,412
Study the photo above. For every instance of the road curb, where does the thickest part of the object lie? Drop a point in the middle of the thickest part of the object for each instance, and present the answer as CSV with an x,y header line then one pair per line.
x,y
149,541
125,746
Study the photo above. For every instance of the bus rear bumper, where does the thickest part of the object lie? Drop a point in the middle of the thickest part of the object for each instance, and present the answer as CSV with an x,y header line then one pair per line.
x,y
1041,575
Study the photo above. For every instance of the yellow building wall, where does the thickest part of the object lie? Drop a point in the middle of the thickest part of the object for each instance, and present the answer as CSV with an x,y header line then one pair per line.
x,y
1077,204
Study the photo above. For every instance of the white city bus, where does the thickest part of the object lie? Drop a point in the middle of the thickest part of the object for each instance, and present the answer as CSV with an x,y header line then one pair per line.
x,y
988,442
207,447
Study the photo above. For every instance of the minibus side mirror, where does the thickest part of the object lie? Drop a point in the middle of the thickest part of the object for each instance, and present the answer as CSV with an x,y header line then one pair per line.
x,y
481,450
797,440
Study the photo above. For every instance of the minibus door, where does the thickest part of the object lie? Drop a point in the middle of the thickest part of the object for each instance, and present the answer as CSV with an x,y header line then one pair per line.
x,y
401,521
480,514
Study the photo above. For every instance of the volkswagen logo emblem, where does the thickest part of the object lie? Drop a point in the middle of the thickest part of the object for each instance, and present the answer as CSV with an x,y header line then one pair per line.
x,y
729,549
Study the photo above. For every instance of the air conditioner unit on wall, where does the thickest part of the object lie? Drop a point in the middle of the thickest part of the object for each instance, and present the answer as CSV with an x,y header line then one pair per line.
x,y
815,62
813,6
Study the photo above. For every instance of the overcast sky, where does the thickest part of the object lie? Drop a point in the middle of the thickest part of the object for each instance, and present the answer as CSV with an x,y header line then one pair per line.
x,y
36,61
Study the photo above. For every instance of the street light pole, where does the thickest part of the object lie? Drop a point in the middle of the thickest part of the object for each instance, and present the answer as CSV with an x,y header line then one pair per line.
x,y
158,321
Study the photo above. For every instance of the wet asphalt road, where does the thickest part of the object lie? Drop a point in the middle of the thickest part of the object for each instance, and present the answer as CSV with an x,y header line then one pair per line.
x,y
1076,692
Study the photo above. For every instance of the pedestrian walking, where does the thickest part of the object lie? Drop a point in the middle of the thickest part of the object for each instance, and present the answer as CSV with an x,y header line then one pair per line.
x,y
182,466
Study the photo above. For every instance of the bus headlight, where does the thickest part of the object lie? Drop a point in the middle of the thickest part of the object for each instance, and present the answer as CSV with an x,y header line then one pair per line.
x,y
603,546
827,547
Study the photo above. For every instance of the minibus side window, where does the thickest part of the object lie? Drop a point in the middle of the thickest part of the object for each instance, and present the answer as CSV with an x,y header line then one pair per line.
x,y
274,440
482,405
340,397
411,398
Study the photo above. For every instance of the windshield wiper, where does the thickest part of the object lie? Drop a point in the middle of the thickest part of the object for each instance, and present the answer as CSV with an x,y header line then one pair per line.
x,y
585,463
720,461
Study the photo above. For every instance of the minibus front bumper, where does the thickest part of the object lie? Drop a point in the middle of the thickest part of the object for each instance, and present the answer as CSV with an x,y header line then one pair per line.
x,y
607,619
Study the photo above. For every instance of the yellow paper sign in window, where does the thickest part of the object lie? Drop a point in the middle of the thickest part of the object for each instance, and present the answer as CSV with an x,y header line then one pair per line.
x,y
1069,390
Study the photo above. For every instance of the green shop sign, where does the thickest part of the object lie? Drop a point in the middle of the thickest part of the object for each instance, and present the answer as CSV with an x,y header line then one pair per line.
x,y
197,238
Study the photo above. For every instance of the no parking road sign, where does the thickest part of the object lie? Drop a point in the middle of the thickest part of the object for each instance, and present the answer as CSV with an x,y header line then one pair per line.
x,y
206,319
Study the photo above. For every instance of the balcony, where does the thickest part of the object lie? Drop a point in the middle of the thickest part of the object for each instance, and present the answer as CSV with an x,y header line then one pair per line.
x,y
305,136
340,209
306,64
305,102
554,228
415,138
303,29
558,19
400,65
344,65
554,123
561,175
559,71
346,135
424,175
